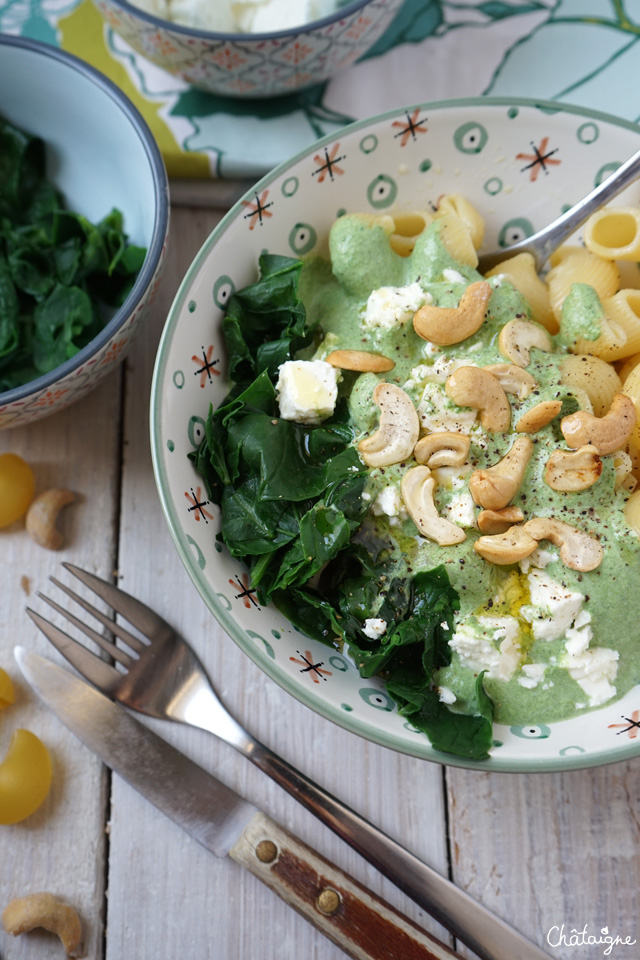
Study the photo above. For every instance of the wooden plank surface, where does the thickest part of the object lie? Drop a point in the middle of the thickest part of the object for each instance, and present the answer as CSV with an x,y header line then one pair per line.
x,y
541,851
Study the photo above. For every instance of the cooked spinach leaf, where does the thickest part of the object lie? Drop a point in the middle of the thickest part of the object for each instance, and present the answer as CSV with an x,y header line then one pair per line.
x,y
290,496
56,267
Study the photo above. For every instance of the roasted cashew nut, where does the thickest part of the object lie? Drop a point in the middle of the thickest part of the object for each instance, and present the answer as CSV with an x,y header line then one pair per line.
x,y
513,379
445,449
499,521
509,547
608,433
42,516
46,911
518,337
417,490
362,361
495,486
539,416
572,470
447,325
578,549
398,431
475,387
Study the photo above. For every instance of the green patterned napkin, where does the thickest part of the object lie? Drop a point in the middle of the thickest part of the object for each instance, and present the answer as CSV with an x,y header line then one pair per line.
x,y
575,51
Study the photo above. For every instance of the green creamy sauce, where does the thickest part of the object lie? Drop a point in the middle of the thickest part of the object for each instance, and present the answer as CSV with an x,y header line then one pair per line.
x,y
335,295
582,315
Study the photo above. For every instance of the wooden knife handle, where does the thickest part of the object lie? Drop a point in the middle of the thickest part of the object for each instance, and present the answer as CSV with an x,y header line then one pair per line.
x,y
359,922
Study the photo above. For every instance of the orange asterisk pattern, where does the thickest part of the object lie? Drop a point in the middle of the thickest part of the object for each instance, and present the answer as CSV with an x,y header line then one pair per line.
x,y
630,726
314,670
246,592
259,210
328,165
198,505
540,159
206,370
410,128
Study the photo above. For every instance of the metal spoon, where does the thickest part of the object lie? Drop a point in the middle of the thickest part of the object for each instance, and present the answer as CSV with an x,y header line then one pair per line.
x,y
542,244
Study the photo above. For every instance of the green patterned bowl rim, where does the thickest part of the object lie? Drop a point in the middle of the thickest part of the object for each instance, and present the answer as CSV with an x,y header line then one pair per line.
x,y
324,708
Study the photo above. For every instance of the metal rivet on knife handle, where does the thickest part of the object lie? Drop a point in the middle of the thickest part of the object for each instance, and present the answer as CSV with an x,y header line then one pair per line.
x,y
328,901
266,851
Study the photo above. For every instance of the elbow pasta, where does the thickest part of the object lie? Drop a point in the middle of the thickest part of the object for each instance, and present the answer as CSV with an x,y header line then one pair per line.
x,y
581,266
521,272
407,227
614,233
25,777
595,376
458,206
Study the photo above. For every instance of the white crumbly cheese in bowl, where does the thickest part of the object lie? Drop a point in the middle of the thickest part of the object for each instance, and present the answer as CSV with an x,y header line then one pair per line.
x,y
239,16
307,390
389,307
374,628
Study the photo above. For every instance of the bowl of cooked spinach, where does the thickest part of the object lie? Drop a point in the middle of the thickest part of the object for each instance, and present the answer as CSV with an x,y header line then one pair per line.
x,y
83,225
362,444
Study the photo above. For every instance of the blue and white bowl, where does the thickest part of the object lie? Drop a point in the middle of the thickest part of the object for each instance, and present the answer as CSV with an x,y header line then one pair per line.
x,y
100,154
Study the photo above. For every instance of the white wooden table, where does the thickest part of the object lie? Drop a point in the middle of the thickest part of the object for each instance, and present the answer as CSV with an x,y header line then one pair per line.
x,y
541,851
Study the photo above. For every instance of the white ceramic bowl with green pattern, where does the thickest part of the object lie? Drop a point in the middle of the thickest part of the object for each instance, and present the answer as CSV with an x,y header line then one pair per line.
x,y
520,163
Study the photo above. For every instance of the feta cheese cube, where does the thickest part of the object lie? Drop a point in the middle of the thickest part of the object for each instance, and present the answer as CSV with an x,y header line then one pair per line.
x,y
307,390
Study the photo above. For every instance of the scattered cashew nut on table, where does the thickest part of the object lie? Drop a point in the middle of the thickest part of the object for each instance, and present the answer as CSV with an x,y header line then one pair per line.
x,y
475,387
49,912
571,470
517,339
608,433
447,325
42,516
417,489
493,487
398,430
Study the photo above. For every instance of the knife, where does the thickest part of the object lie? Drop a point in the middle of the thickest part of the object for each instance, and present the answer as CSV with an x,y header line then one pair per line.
x,y
359,922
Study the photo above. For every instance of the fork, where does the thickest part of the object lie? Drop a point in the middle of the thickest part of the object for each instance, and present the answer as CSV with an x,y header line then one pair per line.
x,y
162,677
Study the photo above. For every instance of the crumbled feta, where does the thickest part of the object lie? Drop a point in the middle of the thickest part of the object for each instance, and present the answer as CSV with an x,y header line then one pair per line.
x,y
553,608
390,307
594,670
437,412
453,276
418,376
374,628
307,390
444,367
533,674
461,509
388,502
445,695
430,350
488,643
539,558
